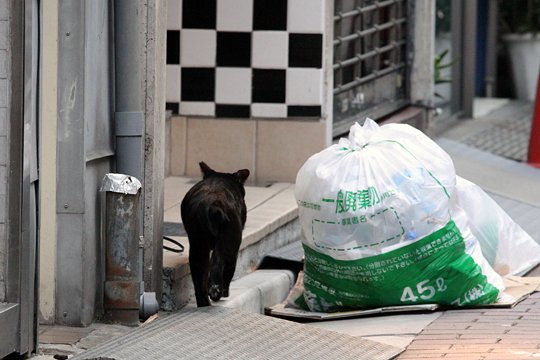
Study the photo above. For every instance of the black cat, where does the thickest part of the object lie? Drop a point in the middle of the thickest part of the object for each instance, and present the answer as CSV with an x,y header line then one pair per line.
x,y
214,214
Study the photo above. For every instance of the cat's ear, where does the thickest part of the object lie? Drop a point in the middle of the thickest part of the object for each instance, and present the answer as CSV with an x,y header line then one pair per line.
x,y
205,169
242,175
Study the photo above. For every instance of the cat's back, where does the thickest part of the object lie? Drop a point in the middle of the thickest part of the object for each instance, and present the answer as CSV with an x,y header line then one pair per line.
x,y
214,192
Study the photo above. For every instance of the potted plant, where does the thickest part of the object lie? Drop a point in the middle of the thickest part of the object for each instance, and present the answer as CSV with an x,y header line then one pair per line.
x,y
519,23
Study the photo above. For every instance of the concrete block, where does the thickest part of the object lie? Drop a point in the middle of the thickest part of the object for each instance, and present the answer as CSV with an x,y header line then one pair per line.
x,y
245,299
3,64
276,288
3,204
259,244
224,144
280,151
3,180
3,93
177,288
3,121
4,34
4,10
259,289
3,150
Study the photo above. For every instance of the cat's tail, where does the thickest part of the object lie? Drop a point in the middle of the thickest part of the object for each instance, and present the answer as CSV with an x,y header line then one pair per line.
x,y
217,219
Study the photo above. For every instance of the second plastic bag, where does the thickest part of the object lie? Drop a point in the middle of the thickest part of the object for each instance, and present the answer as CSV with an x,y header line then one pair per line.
x,y
505,245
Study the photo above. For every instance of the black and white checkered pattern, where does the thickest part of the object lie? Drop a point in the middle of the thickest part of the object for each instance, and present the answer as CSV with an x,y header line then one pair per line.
x,y
245,58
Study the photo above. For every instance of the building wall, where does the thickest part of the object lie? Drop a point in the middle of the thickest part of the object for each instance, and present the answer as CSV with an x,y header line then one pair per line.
x,y
240,73
5,56
85,151
89,99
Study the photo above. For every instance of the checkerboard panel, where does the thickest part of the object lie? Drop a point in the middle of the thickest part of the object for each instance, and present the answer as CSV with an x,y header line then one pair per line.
x,y
245,58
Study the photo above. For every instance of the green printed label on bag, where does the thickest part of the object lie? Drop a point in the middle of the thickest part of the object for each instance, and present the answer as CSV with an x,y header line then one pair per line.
x,y
435,269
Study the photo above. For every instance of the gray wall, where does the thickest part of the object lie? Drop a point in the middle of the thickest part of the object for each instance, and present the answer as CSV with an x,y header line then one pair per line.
x,y
5,56
85,152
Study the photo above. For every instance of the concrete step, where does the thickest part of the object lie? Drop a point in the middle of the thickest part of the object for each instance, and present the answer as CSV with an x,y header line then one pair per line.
x,y
258,290
272,222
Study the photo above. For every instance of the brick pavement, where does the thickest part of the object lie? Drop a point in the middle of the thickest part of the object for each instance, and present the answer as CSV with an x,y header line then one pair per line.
x,y
489,333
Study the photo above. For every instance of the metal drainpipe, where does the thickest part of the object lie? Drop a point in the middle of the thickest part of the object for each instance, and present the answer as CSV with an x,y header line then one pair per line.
x,y
129,33
122,283
129,67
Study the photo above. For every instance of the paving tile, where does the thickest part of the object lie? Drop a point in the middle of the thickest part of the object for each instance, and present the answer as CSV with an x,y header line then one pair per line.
x,y
483,336
498,318
455,341
400,341
428,345
447,326
63,335
453,331
508,356
175,189
499,347
518,340
493,326
469,348
449,336
420,354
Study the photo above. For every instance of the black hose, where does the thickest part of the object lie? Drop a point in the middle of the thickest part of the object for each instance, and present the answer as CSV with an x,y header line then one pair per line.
x,y
181,247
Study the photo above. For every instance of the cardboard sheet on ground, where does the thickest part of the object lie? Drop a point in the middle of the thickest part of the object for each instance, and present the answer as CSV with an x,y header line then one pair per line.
x,y
517,289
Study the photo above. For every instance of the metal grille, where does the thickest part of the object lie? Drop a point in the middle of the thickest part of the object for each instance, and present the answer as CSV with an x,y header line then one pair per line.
x,y
215,332
369,59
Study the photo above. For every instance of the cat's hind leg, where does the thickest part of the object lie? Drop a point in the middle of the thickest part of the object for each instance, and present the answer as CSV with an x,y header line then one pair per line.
x,y
215,289
229,265
198,264
228,273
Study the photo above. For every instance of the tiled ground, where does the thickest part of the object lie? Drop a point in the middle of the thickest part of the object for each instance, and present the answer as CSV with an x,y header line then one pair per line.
x,y
481,334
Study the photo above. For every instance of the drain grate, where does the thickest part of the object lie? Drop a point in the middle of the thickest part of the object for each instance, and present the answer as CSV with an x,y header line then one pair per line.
x,y
221,333
508,138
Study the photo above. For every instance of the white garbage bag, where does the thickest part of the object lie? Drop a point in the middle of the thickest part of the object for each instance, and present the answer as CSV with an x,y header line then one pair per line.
x,y
505,245
378,228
